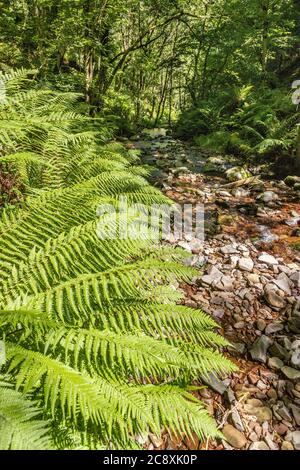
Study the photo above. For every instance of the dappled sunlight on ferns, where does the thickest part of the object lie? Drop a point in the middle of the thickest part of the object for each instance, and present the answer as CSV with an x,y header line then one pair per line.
x,y
91,330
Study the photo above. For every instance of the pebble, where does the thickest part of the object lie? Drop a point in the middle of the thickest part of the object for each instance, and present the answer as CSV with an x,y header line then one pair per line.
x,y
156,441
287,446
272,394
295,438
268,259
259,349
275,363
283,283
261,324
283,411
273,299
268,196
281,429
295,359
252,290
296,413
214,276
262,413
234,437
297,387
274,328
253,437
228,249
246,264
253,278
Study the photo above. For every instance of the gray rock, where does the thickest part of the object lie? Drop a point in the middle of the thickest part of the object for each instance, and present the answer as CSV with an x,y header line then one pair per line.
x,y
296,413
240,192
261,324
226,283
230,396
287,344
253,278
223,193
237,173
213,382
279,351
294,324
236,419
287,446
239,325
296,439
261,445
290,373
275,363
295,359
180,170
295,278
295,345
214,276
237,348
269,441
274,328
268,259
246,264
268,196
259,349
218,313
283,283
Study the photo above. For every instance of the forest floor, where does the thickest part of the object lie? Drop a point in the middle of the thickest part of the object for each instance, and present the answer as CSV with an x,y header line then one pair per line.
x,y
249,282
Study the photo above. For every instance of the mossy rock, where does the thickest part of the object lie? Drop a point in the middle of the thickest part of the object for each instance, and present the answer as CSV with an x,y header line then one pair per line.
x,y
237,173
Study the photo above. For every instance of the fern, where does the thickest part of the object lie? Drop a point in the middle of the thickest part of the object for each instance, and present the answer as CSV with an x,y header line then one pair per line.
x,y
91,325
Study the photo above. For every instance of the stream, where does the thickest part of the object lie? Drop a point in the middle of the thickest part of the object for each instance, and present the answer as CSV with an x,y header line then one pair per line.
x,y
249,283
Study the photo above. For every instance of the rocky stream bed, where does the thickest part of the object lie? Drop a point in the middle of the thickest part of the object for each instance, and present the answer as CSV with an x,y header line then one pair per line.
x,y
249,282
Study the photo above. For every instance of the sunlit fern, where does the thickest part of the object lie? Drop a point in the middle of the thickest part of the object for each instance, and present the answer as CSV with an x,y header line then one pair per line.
x,y
91,328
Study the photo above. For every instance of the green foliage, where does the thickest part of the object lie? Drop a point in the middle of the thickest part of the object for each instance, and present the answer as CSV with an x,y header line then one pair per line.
x,y
19,427
91,329
249,123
